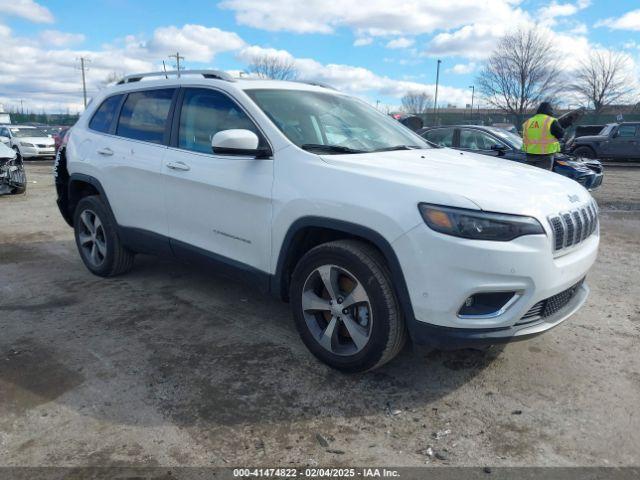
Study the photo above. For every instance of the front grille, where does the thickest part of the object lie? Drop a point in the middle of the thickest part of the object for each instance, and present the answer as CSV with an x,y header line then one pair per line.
x,y
549,306
573,227
43,146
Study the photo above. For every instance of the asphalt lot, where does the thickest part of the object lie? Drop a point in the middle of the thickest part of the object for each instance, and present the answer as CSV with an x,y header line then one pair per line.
x,y
172,365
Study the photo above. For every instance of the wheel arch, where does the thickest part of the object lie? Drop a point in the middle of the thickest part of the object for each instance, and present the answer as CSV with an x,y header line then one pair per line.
x,y
308,232
80,186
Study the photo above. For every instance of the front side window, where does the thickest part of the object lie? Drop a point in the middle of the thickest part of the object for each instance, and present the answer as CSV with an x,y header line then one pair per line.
x,y
103,118
206,112
476,140
333,123
627,131
144,115
442,137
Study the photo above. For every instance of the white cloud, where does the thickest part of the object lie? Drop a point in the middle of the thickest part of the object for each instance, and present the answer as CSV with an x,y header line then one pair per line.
x,y
401,42
27,9
57,38
376,18
357,80
549,13
362,41
44,70
628,21
463,68
196,42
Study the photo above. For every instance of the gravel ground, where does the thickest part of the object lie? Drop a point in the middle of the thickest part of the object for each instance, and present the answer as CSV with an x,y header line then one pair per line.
x,y
171,365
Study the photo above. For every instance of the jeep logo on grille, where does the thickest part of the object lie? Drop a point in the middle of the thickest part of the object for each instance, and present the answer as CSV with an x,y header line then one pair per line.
x,y
573,198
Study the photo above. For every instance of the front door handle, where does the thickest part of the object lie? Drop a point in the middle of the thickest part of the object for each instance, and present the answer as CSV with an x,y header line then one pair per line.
x,y
178,166
105,151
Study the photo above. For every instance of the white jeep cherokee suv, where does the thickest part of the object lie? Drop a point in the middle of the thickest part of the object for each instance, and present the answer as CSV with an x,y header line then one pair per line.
x,y
369,232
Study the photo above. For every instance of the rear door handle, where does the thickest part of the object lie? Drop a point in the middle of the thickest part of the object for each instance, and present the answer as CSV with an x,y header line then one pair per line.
x,y
105,151
178,166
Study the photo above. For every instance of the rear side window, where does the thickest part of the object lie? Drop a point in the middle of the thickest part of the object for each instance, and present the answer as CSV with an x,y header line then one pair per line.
x,y
206,112
105,114
442,137
144,115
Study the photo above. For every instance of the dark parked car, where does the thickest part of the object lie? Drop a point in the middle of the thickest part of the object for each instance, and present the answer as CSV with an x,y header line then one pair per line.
x,y
497,142
616,141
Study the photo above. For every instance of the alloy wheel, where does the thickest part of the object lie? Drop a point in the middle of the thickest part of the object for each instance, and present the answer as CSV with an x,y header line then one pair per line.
x,y
92,238
337,310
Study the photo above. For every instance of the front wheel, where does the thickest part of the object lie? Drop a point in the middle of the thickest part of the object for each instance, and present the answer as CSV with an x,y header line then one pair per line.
x,y
345,308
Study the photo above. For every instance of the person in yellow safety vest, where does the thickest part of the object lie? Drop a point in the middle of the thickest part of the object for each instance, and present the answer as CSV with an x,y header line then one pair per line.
x,y
541,136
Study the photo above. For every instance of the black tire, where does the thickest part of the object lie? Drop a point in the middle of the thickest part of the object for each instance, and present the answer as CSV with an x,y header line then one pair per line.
x,y
586,152
117,259
387,332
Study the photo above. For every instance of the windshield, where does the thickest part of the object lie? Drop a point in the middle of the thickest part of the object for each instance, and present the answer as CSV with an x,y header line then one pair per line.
x,y
333,123
607,129
510,137
28,132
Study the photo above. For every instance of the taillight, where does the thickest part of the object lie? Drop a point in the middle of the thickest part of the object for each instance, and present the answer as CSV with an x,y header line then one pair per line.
x,y
65,138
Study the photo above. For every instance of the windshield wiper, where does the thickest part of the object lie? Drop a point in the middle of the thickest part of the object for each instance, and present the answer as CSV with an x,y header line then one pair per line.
x,y
330,148
398,147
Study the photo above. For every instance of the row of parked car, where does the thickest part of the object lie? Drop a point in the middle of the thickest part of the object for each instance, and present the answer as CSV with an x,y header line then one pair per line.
x,y
32,142
499,142
583,147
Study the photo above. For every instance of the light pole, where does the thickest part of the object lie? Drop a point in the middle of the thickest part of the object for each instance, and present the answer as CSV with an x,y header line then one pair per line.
x,y
473,91
435,101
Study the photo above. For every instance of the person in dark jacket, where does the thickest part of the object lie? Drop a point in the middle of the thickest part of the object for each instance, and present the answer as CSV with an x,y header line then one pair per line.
x,y
541,137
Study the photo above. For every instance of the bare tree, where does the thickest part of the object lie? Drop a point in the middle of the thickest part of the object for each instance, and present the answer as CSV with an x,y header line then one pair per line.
x,y
273,66
416,102
523,70
602,79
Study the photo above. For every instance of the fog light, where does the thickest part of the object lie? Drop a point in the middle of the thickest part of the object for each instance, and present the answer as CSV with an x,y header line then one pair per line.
x,y
484,305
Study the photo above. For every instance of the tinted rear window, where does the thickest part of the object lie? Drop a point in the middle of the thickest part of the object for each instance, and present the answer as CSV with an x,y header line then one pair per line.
x,y
105,114
144,115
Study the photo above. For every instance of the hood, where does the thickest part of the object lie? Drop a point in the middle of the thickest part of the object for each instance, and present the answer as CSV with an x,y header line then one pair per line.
x,y
591,138
36,140
6,152
493,184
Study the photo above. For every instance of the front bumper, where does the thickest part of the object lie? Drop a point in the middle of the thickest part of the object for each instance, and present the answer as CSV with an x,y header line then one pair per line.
x,y
442,271
31,152
446,338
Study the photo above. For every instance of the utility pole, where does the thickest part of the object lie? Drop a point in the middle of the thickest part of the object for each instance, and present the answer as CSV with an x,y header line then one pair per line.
x,y
178,57
377,104
83,62
435,102
473,91
21,106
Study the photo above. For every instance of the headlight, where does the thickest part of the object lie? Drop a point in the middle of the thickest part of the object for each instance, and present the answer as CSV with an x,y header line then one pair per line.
x,y
27,144
478,225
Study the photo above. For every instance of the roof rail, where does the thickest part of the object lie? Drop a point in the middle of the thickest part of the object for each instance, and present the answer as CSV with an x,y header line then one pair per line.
x,y
316,84
217,74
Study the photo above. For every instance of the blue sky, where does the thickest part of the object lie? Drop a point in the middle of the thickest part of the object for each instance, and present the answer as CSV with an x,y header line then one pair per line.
x,y
376,50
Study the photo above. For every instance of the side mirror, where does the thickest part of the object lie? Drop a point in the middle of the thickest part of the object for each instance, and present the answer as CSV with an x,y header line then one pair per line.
x,y
615,133
499,148
238,142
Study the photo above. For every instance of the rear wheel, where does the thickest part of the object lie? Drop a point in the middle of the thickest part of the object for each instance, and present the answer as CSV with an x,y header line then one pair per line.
x,y
345,308
97,239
